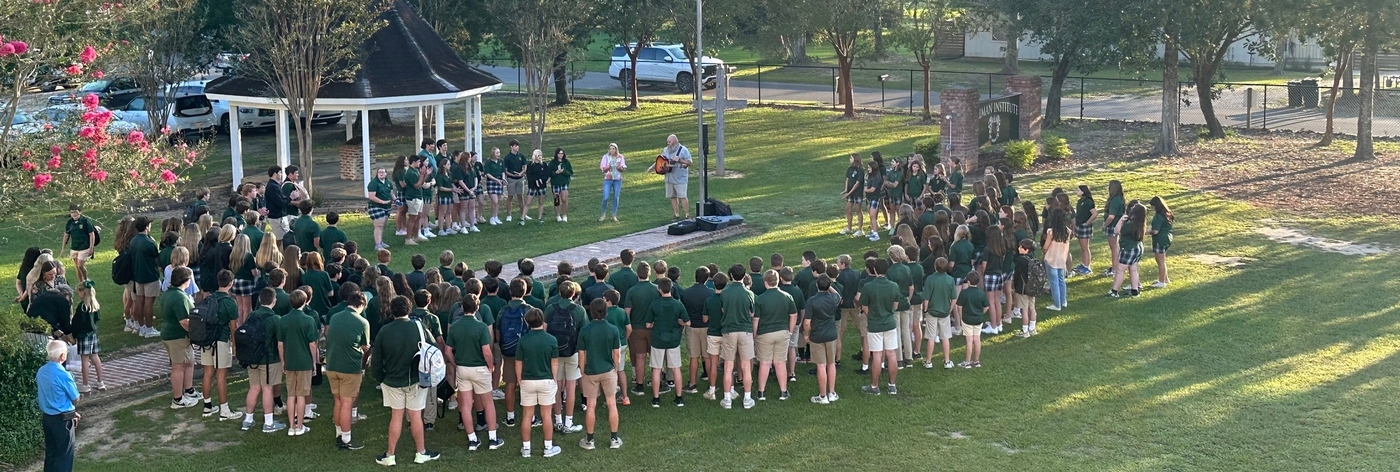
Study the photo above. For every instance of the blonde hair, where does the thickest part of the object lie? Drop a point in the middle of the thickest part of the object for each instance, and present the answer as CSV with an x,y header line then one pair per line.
x,y
38,271
241,250
180,256
227,232
190,239
537,155
87,296
206,221
267,252
961,233
896,253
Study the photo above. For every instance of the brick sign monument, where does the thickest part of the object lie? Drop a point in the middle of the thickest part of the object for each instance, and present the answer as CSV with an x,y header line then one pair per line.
x,y
969,122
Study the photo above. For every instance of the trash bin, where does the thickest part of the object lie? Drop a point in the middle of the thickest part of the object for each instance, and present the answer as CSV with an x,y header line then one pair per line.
x,y
1295,93
1309,90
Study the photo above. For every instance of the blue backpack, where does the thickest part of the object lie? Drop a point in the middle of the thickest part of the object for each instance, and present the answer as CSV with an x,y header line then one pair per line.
x,y
512,328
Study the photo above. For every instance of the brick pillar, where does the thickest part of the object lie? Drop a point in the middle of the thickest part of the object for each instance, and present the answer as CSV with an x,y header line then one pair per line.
x,y
1031,117
958,125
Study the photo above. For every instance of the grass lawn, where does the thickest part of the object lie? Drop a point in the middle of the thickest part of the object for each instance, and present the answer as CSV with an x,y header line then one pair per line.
x,y
1259,367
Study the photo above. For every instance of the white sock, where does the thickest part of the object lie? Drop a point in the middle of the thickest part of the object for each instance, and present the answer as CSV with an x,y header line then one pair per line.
x,y
338,431
558,419
354,413
1025,328
308,410
267,418
864,366
712,390
510,415
569,421
345,437
1032,326
490,434
748,395
548,443
224,408
471,437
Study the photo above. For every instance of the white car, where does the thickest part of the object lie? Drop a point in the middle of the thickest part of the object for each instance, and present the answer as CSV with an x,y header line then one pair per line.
x,y
186,115
54,117
662,64
248,118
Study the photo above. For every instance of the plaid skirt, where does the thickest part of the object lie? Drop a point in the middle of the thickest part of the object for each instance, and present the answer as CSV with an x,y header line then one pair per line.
x,y
376,214
1084,231
495,188
1130,255
1160,248
243,288
855,197
463,198
448,200
194,272
88,344
896,200
1108,230
993,283
560,188
874,203
536,192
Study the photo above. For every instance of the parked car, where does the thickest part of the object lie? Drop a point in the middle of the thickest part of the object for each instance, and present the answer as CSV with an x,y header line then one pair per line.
x,y
187,115
662,64
112,93
248,118
56,116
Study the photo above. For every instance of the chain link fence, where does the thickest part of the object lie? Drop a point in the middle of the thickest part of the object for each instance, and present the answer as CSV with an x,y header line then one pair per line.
x,y
1296,106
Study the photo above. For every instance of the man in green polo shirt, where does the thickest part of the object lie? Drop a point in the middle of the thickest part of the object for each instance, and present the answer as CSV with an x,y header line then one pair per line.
x,y
514,163
776,315
393,363
218,359
600,351
175,307
296,343
79,235
347,337
737,330
469,345
637,301
305,230
624,278
145,276
536,358
666,319
879,297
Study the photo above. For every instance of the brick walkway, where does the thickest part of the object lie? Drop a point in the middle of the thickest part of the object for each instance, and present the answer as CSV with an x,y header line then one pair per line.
x,y
152,366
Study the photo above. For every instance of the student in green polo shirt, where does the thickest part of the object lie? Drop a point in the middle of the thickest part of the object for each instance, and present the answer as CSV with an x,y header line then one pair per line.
x,y
174,307
306,232
1161,231
900,273
624,278
536,358
666,319
276,280
381,197
315,276
637,301
347,337
973,301
469,345
880,297
262,377
617,317
561,171
393,363
787,285
219,357
737,330
445,259
494,175
714,337
78,236
776,315
296,343
939,291
821,331
331,235
600,352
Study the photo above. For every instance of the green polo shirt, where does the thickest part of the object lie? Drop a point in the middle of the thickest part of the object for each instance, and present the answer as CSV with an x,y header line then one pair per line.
x,y
329,236
623,280
773,309
938,292
534,353
961,254
296,330
284,302
466,337
639,299
392,354
408,181
495,169
665,316
144,268
173,305
514,162
79,233
618,318
598,341
228,312
899,274
973,300
714,311
738,305
880,295
381,190
347,335
305,229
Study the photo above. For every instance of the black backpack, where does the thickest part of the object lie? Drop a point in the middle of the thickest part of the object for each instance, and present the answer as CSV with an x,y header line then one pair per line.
x,y
251,342
204,322
721,208
561,326
123,269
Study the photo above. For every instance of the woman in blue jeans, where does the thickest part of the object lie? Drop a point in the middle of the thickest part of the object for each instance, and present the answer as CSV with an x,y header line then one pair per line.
x,y
1057,233
612,165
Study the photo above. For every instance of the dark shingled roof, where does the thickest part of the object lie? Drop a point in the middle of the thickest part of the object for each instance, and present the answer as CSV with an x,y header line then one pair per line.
x,y
407,58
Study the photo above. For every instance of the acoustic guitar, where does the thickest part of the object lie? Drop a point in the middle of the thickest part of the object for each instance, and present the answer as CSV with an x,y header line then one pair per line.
x,y
663,165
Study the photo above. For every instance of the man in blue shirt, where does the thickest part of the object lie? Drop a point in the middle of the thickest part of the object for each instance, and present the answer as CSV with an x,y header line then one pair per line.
x,y
57,392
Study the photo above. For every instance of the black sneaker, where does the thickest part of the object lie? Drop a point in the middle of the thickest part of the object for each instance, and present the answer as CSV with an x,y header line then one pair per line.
x,y
536,422
638,389
784,396
666,388
656,402
918,355
1134,293
838,365
812,371
427,427
793,377
495,443
862,370
855,357
680,402
704,375
1112,294
348,446
510,421
762,396
473,445
670,383
690,388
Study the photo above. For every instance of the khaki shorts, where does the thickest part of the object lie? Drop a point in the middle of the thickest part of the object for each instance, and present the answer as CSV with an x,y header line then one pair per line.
x,y
594,385
344,385
639,341
625,352
515,186
415,206
411,398
695,341
1022,301
862,323
713,344
970,331
795,339
883,341
848,315
148,290
474,380
538,392
665,358
772,347
178,351
568,368
676,190
218,356
508,371
298,383
83,255
824,353
260,375
940,327
737,347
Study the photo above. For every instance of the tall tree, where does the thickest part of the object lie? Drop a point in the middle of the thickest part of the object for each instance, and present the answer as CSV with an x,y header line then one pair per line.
x,y
719,18
299,46
841,23
1079,37
1332,24
917,32
1380,26
538,30
168,45
633,24
1205,31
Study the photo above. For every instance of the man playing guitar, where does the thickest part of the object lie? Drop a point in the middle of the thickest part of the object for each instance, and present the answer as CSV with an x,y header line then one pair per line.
x,y
674,162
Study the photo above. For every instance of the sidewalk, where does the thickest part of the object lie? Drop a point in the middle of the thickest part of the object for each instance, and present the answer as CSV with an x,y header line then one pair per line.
x,y
152,366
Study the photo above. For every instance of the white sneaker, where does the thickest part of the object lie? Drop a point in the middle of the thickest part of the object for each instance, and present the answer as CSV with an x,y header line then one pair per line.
x,y
558,219
230,415
474,229
858,233
128,327
152,333
844,231
726,403
101,385
874,236
832,396
748,403
566,218
602,217
497,394
948,365
1052,308
525,451
84,388
552,451
508,218
429,234
820,400
1016,313
183,402
494,221
1158,284
523,218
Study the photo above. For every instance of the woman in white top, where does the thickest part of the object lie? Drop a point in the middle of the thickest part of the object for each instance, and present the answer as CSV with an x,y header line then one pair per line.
x,y
612,165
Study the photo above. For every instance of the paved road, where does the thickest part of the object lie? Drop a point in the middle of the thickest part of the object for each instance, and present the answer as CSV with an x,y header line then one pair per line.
x,y
1229,107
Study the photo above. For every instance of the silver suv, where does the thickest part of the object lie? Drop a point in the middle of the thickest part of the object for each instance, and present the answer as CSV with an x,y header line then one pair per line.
x,y
662,64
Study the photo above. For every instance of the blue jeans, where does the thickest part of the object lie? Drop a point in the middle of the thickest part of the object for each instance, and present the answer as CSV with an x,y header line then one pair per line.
x,y
1058,290
612,189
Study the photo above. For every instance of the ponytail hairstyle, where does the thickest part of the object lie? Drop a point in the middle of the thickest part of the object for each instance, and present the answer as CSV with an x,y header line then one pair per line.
x,y
1058,225
1159,206
1115,188
383,294
1085,193
87,296
1137,215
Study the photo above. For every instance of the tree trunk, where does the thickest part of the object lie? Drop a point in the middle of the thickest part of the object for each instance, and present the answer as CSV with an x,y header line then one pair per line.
x,y
1057,89
798,53
305,161
1364,146
1010,58
879,32
633,104
845,89
561,79
1280,57
926,64
380,118
1171,99
1204,70
1348,82
1343,60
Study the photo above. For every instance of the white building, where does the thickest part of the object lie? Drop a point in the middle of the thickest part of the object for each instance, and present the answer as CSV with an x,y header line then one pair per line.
x,y
990,44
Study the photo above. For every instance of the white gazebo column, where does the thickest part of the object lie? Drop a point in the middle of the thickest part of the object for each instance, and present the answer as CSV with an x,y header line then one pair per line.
x,y
349,125
364,147
476,121
235,144
418,126
284,141
440,115
467,141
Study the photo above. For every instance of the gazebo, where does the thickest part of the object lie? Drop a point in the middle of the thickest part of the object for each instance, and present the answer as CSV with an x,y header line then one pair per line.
x,y
408,66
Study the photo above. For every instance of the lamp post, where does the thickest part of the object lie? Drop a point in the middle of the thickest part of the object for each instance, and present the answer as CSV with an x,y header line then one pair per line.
x,y
700,100
883,78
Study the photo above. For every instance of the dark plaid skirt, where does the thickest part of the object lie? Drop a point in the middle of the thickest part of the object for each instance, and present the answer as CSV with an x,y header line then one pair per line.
x,y
448,200
855,197
495,188
1129,255
536,192
88,344
561,189
874,203
243,288
1160,248
376,214
993,283
1084,231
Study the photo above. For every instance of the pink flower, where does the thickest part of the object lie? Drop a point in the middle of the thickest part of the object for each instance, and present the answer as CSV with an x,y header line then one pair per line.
x,y
48,126
26,153
27,166
90,101
165,130
55,163
158,161
7,49
73,69
98,175
87,132
55,150
90,154
191,156
88,55
135,138
21,47
72,146
168,176
41,181
134,174
97,74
